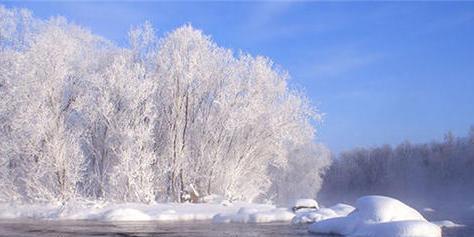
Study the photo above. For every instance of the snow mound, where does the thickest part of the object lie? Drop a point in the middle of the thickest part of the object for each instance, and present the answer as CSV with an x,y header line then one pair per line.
x,y
379,216
383,209
125,214
447,224
253,215
411,228
337,210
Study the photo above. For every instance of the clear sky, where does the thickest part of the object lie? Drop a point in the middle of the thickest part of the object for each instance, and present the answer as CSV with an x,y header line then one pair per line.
x,y
381,72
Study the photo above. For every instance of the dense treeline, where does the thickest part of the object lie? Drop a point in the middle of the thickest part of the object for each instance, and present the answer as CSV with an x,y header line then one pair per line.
x,y
437,173
81,117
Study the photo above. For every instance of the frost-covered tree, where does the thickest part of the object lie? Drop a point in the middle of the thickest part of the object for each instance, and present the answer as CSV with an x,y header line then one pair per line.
x,y
225,118
302,177
118,121
46,151
84,118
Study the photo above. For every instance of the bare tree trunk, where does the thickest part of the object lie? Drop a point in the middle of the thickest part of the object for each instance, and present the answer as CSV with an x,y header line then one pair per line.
x,y
181,189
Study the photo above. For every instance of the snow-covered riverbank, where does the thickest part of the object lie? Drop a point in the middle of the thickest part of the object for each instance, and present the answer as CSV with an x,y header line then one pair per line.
x,y
371,216
241,212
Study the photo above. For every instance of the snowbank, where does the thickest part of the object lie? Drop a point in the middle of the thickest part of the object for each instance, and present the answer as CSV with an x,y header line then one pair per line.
x,y
337,210
125,214
33,211
220,211
379,216
253,215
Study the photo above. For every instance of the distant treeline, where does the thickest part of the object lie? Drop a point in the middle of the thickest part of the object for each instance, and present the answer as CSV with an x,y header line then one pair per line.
x,y
437,173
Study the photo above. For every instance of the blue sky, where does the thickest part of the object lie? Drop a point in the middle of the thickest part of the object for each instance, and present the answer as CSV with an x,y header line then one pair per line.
x,y
382,73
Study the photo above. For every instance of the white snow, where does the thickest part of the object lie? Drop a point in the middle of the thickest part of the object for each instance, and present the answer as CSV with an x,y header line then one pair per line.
x,y
379,216
241,212
373,215
216,199
337,210
383,209
306,203
410,228
253,215
125,214
32,211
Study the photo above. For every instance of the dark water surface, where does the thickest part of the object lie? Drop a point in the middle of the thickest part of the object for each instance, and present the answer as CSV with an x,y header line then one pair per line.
x,y
31,228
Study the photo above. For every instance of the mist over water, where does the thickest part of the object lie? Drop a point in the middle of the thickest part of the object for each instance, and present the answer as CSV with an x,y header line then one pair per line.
x,y
436,175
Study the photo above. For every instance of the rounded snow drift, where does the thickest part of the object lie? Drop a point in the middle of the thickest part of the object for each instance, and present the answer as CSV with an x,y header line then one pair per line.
x,y
379,216
382,209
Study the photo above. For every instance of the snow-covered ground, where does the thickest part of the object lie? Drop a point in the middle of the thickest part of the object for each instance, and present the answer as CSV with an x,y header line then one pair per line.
x,y
371,216
255,215
219,212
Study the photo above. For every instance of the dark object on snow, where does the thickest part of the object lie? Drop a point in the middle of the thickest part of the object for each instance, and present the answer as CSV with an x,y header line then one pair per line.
x,y
295,209
190,196
305,205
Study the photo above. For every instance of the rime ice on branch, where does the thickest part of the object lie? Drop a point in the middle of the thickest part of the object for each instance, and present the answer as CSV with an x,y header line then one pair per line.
x,y
81,118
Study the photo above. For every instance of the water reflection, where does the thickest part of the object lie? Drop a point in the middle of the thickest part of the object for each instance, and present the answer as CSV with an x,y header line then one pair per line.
x,y
27,228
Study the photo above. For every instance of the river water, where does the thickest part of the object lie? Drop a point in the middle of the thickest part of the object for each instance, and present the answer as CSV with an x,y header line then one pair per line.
x,y
27,228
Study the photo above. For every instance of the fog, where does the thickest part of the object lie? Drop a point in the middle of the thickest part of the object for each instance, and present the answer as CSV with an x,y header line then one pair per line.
x,y
438,175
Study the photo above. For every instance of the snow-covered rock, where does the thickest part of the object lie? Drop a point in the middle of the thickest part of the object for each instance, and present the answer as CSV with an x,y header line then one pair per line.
x,y
383,209
337,210
305,204
379,216
125,214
